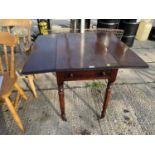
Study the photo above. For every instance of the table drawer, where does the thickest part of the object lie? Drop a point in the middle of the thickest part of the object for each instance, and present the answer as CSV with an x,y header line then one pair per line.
x,y
84,75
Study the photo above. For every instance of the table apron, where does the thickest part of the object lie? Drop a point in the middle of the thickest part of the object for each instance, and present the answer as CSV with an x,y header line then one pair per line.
x,y
84,75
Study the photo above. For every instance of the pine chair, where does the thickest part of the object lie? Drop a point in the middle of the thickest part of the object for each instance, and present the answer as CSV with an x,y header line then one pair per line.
x,y
22,30
9,77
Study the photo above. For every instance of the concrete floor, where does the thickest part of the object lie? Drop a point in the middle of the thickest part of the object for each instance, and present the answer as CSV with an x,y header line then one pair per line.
x,y
131,109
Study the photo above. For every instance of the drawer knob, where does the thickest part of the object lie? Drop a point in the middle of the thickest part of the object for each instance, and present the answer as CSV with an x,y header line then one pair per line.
x,y
103,73
71,75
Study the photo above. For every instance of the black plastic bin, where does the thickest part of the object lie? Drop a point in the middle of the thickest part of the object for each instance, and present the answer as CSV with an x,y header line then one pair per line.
x,y
108,23
128,40
130,27
152,34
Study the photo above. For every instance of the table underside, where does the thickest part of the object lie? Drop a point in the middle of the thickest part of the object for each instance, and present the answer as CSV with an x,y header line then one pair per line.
x,y
110,75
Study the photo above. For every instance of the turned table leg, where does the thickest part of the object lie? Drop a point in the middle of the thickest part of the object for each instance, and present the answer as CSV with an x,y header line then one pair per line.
x,y
60,83
106,98
108,92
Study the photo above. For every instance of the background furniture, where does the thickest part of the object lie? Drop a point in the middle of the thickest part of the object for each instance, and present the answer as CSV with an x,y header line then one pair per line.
x,y
21,28
9,77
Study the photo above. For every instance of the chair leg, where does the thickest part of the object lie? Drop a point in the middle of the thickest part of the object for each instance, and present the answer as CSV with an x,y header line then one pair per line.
x,y
31,82
21,92
34,76
15,115
16,104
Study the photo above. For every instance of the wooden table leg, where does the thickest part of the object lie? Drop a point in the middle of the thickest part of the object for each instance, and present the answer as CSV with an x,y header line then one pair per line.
x,y
108,92
60,83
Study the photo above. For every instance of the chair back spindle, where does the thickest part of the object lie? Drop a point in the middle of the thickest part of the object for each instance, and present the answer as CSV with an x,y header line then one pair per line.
x,y
8,65
1,66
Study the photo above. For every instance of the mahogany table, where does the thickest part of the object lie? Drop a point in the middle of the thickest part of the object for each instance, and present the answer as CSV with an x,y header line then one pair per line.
x,y
75,56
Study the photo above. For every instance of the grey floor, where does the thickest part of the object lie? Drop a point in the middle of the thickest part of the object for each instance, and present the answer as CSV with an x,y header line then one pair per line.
x,y
131,109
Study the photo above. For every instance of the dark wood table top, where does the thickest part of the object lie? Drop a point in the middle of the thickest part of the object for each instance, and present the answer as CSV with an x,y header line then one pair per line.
x,y
75,51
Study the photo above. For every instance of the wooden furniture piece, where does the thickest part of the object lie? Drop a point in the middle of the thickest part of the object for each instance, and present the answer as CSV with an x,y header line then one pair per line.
x,y
22,31
8,74
21,28
75,56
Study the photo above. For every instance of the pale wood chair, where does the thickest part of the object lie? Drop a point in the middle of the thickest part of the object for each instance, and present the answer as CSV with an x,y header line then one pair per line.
x,y
8,74
21,28
22,31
